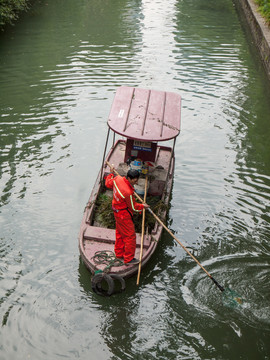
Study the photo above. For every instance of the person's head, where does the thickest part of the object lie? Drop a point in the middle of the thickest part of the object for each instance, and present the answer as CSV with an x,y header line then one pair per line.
x,y
133,176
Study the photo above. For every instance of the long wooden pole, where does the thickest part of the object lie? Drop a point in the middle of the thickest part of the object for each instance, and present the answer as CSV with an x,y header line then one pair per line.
x,y
142,236
221,288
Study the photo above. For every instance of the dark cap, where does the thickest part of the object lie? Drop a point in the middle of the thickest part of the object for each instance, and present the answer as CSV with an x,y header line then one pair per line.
x,y
133,174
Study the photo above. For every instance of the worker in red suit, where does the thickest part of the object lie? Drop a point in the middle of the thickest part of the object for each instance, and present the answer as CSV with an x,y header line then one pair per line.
x,y
124,205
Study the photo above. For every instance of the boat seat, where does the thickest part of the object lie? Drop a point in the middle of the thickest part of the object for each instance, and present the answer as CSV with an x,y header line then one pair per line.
x,y
95,233
99,234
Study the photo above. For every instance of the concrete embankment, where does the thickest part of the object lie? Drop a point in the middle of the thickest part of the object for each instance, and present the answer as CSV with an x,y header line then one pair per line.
x,y
259,29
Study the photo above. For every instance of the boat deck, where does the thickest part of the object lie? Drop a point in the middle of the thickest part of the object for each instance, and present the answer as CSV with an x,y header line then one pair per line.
x,y
99,239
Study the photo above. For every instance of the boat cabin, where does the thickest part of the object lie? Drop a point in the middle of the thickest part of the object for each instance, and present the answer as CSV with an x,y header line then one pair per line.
x,y
145,118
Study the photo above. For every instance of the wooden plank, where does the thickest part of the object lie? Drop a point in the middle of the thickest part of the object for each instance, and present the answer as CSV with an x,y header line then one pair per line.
x,y
97,234
120,109
155,115
172,116
137,114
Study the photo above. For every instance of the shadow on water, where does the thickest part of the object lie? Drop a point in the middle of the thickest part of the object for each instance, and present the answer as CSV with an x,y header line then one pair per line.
x,y
173,288
140,320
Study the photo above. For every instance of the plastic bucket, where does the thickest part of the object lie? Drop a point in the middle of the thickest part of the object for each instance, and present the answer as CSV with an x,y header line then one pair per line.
x,y
136,165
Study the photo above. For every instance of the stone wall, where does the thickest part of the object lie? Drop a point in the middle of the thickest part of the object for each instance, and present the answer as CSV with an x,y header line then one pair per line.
x,y
259,30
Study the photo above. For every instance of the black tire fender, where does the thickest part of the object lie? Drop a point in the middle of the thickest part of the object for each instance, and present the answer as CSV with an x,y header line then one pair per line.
x,y
121,280
96,284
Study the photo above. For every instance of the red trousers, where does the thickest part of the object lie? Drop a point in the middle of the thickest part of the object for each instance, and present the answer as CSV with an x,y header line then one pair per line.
x,y
125,242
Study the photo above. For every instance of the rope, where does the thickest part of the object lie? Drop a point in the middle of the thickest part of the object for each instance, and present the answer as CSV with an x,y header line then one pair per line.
x,y
108,258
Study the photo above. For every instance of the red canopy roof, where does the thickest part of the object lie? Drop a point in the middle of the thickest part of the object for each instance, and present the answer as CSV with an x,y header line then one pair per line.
x,y
147,115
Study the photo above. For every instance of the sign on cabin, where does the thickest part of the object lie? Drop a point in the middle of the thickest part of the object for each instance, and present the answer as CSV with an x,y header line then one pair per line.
x,y
144,150
142,145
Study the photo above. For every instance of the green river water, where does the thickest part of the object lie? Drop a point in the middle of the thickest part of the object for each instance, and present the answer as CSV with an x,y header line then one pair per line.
x,y
59,68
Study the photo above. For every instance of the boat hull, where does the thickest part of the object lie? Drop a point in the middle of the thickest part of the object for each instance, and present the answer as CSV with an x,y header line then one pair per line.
x,y
93,238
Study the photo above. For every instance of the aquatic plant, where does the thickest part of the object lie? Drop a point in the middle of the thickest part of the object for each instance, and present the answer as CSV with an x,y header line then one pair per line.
x,y
104,215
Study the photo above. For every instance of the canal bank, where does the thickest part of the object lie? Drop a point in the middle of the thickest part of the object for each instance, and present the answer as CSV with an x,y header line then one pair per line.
x,y
259,29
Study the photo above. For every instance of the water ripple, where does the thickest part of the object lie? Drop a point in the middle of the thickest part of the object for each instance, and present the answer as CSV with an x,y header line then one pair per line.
x,y
235,272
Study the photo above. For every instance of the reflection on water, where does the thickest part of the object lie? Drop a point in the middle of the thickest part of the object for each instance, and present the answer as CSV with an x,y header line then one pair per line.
x,y
51,79
60,66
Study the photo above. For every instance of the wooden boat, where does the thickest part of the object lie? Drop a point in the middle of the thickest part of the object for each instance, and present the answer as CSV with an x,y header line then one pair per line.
x,y
143,118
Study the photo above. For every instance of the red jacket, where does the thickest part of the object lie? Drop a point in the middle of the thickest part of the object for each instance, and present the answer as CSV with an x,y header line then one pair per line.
x,y
123,191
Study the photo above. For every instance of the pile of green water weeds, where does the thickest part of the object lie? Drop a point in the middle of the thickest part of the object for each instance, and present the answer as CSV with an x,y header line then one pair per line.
x,y
105,217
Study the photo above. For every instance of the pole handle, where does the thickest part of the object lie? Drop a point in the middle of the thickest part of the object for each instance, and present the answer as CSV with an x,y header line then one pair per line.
x,y
142,235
